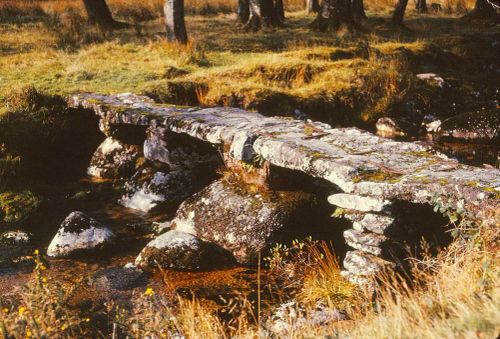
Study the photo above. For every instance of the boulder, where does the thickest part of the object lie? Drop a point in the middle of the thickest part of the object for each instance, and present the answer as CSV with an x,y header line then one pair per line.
x,y
119,278
244,221
176,167
149,188
112,159
482,126
79,234
183,251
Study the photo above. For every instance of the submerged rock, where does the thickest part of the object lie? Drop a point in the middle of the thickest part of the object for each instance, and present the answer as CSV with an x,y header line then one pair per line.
x,y
13,238
114,160
15,250
482,126
183,251
119,278
432,78
244,222
79,234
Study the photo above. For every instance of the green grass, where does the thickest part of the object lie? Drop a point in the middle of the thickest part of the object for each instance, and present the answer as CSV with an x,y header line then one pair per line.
x,y
344,81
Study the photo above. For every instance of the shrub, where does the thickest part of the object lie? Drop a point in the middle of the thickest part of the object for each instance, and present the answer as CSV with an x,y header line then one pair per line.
x,y
28,99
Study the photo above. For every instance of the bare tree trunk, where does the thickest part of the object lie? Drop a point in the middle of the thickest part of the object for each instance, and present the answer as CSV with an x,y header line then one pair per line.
x,y
255,18
243,11
279,12
399,12
98,13
312,6
483,10
358,10
334,15
265,12
421,6
174,20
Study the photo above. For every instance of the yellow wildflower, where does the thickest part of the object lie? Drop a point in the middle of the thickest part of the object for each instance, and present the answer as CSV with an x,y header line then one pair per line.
x,y
36,252
149,292
21,310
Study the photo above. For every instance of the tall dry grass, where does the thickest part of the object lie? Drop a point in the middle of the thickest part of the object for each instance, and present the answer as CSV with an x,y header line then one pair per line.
x,y
455,295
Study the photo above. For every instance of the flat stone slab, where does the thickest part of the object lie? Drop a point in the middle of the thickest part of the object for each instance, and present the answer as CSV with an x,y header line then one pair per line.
x,y
359,203
358,162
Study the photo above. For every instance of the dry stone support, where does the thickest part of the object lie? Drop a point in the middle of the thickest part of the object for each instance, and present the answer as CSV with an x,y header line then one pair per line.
x,y
385,233
369,238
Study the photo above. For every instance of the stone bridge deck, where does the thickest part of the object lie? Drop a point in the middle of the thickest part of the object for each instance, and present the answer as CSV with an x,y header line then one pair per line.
x,y
370,172
358,162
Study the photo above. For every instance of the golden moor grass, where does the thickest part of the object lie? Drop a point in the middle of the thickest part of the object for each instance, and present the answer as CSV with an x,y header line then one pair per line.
x,y
453,295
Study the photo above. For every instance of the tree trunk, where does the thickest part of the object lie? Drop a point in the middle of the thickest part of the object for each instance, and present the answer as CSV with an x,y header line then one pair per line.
x,y
358,10
312,6
335,15
483,10
243,11
421,6
279,12
265,12
174,20
399,12
98,13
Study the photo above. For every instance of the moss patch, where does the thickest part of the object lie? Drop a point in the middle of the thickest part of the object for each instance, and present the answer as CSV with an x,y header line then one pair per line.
x,y
376,176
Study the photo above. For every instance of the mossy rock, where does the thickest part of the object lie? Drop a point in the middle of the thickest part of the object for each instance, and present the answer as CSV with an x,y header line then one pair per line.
x,y
247,222
18,207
